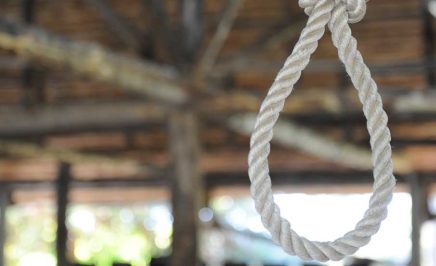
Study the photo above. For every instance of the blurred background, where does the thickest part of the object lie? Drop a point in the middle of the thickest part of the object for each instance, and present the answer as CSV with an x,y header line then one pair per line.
x,y
124,132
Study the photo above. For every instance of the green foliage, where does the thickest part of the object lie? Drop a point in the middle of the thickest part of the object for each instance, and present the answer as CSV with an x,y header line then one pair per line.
x,y
98,235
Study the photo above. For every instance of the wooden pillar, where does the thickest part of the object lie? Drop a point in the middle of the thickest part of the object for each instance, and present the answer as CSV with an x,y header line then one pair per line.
x,y
418,193
186,187
63,184
4,202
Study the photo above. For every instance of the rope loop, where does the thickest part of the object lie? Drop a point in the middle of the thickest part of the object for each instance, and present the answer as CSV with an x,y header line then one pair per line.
x,y
336,14
356,9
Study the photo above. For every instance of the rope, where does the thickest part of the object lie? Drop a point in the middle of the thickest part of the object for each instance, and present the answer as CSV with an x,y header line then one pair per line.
x,y
337,14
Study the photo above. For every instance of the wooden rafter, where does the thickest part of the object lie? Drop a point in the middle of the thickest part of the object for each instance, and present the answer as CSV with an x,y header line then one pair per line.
x,y
137,76
124,32
225,25
147,78
289,134
29,150
192,28
284,35
162,31
78,117
16,121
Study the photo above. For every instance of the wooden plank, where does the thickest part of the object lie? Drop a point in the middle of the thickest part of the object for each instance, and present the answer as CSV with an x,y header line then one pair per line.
x,y
186,188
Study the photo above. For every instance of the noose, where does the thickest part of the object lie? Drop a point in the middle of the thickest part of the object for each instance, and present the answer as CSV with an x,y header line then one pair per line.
x,y
336,14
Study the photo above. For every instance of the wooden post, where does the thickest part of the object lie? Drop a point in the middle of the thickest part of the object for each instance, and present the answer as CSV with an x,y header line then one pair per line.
x,y
419,215
4,202
63,184
186,187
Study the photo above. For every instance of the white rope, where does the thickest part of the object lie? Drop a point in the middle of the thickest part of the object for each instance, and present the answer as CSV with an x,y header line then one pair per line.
x,y
337,14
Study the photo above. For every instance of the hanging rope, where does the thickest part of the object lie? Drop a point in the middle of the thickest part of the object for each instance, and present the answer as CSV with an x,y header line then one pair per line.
x,y
337,14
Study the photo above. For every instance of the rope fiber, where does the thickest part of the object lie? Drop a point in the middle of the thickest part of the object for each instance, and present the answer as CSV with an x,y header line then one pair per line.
x,y
336,14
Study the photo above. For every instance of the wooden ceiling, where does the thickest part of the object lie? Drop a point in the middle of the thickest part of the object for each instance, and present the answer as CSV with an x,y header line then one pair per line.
x,y
60,109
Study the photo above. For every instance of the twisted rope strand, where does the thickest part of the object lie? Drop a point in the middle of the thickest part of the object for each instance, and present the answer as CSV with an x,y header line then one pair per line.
x,y
337,14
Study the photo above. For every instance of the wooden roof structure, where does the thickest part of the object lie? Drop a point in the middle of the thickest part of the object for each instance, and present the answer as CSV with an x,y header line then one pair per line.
x,y
132,93
101,77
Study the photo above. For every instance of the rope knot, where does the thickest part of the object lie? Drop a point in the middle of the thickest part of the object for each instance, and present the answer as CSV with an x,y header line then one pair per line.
x,y
356,9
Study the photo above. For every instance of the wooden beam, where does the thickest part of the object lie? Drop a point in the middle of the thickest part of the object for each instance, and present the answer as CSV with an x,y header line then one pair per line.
x,y
416,102
126,116
62,188
162,31
15,121
192,27
82,117
96,195
134,75
238,101
29,150
321,101
152,80
124,32
288,134
249,63
225,25
324,178
332,177
284,35
186,188
122,115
